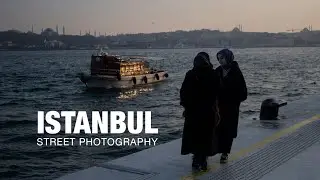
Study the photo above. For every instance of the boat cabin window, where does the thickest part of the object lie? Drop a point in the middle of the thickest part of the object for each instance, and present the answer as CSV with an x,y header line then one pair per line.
x,y
110,65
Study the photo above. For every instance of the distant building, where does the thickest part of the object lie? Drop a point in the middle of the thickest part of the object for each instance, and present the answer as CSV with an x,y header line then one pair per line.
x,y
15,31
49,32
53,44
31,33
8,44
57,29
64,30
236,29
304,30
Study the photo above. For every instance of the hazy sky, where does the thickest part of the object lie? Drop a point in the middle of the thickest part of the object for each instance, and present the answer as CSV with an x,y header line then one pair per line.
x,y
132,16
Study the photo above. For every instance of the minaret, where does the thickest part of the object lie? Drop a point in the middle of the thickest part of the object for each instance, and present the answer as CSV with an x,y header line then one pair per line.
x,y
80,33
32,28
95,33
63,30
57,29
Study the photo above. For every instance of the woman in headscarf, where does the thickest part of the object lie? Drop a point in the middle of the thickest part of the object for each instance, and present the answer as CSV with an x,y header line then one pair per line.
x,y
198,96
232,91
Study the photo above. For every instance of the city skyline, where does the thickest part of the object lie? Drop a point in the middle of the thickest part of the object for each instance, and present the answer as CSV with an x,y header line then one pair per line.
x,y
145,16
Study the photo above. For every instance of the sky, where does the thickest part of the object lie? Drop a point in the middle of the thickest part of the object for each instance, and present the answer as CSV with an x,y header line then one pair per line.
x,y
144,16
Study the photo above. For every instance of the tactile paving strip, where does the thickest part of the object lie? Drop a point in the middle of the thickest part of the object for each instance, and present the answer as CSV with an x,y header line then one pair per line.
x,y
262,162
143,174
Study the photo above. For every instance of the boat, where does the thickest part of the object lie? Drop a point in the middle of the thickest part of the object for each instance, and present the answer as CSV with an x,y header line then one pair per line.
x,y
115,71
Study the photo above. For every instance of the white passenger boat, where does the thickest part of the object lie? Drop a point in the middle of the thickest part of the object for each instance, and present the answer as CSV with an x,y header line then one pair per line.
x,y
114,71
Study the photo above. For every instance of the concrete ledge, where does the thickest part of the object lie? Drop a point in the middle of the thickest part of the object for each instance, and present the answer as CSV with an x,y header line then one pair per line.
x,y
165,162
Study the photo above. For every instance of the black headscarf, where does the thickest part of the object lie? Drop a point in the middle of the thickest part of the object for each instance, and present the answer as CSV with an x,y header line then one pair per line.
x,y
227,54
202,61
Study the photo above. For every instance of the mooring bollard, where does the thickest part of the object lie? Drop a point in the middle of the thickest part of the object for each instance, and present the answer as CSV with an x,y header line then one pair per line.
x,y
270,109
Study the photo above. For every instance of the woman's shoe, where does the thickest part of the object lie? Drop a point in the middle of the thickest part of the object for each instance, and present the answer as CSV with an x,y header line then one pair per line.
x,y
195,163
224,158
204,165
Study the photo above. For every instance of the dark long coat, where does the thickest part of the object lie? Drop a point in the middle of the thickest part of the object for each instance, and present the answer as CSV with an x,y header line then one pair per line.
x,y
232,91
198,96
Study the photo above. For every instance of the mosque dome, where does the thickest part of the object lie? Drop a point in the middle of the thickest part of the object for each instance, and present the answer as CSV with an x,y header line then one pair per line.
x,y
236,29
49,32
305,30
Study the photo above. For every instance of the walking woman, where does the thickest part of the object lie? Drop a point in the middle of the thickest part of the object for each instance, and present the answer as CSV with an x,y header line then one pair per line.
x,y
232,91
198,96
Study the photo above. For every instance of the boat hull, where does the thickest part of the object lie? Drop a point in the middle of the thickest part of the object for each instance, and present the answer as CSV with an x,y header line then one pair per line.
x,y
109,82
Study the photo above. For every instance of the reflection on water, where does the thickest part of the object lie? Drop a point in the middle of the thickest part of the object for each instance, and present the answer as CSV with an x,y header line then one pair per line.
x,y
132,93
108,98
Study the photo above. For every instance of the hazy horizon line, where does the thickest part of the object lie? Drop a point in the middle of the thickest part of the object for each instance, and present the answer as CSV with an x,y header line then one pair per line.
x,y
293,30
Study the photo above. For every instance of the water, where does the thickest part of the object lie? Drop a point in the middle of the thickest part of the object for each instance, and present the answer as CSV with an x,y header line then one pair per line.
x,y
33,81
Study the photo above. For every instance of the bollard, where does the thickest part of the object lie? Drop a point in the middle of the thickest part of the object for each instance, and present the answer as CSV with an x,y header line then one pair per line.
x,y
270,109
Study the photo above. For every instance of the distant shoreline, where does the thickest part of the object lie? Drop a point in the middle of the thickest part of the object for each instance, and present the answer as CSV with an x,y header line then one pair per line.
x,y
130,48
49,40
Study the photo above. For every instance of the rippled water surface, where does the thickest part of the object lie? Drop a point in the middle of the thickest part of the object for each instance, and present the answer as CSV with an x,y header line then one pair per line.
x,y
33,81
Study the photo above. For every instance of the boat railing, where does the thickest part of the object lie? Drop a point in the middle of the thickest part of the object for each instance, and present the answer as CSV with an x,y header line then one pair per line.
x,y
99,71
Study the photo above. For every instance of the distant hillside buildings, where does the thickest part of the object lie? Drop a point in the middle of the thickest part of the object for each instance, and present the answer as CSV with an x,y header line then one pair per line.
x,y
51,39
